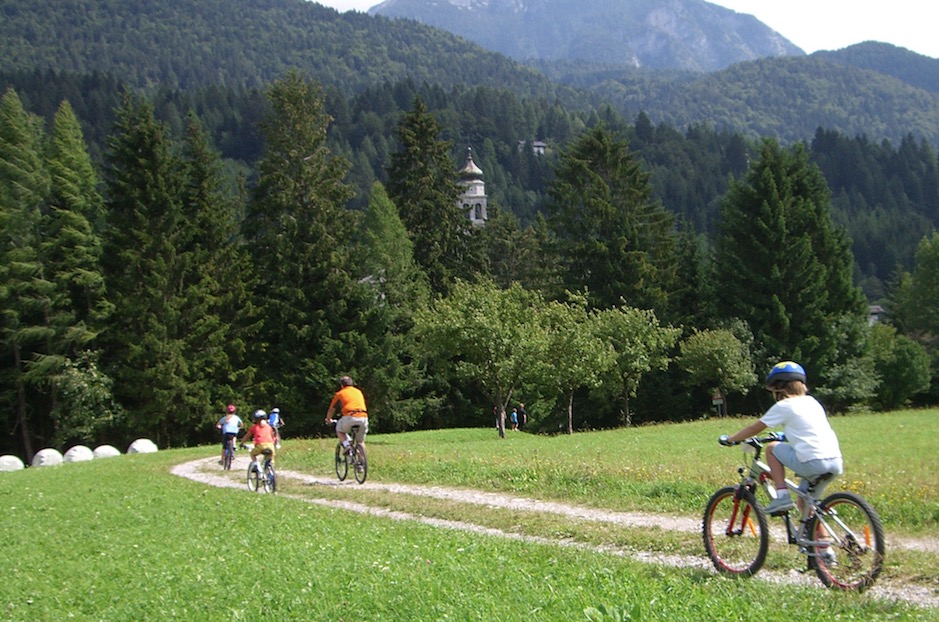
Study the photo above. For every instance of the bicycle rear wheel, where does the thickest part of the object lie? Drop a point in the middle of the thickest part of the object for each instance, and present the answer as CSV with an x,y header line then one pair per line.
x,y
229,455
342,463
735,532
270,478
361,464
856,556
254,477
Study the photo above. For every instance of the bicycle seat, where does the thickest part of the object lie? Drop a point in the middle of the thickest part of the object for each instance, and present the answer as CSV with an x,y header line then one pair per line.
x,y
267,452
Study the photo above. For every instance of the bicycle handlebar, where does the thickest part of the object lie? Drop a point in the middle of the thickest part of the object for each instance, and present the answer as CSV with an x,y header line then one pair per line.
x,y
780,437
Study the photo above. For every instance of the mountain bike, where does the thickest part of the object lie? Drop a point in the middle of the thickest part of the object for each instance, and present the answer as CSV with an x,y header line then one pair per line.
x,y
229,454
840,535
353,458
262,475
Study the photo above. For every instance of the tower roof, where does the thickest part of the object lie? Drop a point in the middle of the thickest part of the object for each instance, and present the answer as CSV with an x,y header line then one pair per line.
x,y
470,170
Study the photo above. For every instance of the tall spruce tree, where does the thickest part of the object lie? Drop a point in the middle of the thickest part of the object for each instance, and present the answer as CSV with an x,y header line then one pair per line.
x,y
24,289
146,351
79,308
611,237
300,237
395,289
784,267
218,309
422,183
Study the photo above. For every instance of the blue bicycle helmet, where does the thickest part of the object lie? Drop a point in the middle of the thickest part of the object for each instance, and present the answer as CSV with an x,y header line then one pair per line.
x,y
783,373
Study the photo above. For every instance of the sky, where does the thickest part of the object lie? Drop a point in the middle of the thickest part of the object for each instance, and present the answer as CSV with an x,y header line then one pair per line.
x,y
817,24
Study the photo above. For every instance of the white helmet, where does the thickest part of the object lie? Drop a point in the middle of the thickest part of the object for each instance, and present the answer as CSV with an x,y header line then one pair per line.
x,y
259,414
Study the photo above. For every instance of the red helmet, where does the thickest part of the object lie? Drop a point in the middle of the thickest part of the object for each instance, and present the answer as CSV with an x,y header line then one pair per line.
x,y
231,408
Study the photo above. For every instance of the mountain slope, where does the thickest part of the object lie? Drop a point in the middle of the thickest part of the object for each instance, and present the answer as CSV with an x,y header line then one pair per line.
x,y
658,34
915,69
192,43
788,98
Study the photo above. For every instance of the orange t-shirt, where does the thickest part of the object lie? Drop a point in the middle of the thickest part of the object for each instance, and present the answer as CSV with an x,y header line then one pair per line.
x,y
261,433
353,402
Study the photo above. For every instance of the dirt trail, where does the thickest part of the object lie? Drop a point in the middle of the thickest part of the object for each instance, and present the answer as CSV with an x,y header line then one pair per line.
x,y
206,471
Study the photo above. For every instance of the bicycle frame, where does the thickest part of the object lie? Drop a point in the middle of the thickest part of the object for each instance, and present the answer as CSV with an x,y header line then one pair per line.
x,y
758,473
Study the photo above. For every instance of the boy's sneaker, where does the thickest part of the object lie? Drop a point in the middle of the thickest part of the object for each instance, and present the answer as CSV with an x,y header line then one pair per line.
x,y
827,555
780,505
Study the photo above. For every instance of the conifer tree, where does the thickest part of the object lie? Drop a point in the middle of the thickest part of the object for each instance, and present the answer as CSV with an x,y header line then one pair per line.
x,y
218,309
24,289
783,266
422,183
146,352
79,308
395,289
611,237
299,237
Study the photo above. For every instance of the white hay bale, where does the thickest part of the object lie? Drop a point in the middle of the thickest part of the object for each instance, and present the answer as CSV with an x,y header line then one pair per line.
x,y
11,463
142,446
79,453
106,451
47,457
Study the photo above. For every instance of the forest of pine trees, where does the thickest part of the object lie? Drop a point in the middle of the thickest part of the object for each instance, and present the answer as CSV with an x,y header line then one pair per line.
x,y
252,247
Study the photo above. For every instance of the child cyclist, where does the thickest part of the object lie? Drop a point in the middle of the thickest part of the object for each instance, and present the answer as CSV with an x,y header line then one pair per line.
x,y
261,434
277,422
811,449
230,425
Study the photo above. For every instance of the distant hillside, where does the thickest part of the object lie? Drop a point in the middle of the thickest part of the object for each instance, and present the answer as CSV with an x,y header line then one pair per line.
x,y
916,70
788,98
656,34
877,90
192,43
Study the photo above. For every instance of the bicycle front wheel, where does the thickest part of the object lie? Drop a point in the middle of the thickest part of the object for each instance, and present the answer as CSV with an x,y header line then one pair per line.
x,y
342,463
270,478
736,535
361,464
855,557
254,478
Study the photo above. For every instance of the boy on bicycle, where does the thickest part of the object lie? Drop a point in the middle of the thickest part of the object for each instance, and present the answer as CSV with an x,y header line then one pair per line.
x,y
229,424
261,434
811,449
353,412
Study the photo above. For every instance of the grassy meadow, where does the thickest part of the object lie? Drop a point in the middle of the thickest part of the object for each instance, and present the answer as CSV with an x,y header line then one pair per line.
x,y
123,539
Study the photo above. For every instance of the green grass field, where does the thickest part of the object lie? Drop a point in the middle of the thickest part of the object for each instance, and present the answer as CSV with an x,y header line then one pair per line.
x,y
123,539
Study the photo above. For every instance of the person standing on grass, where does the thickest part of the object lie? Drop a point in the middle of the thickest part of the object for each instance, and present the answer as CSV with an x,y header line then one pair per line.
x,y
811,448
515,419
230,424
522,415
353,412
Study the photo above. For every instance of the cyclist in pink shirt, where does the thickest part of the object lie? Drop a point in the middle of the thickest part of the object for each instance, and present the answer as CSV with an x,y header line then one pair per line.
x,y
261,434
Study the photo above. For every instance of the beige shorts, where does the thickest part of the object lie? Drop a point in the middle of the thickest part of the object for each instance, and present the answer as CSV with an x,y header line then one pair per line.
x,y
345,426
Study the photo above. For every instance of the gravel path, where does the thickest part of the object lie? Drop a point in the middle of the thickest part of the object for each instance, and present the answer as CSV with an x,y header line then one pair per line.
x,y
207,471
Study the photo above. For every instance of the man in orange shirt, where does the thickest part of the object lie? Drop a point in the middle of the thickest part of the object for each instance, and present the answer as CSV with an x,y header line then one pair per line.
x,y
353,412
261,434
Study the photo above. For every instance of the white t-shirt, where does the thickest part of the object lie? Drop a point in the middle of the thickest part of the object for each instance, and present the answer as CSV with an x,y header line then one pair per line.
x,y
805,423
